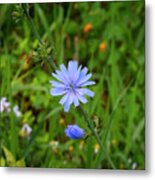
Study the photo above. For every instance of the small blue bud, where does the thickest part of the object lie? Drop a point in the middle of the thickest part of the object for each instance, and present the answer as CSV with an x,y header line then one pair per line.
x,y
74,132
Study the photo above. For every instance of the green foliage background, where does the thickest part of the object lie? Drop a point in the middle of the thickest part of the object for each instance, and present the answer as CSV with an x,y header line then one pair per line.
x,y
117,110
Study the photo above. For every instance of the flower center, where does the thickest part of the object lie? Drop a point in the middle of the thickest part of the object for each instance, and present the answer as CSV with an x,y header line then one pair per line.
x,y
72,87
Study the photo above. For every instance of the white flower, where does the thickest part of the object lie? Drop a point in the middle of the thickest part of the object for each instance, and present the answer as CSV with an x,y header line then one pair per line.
x,y
16,111
54,144
134,165
26,130
4,105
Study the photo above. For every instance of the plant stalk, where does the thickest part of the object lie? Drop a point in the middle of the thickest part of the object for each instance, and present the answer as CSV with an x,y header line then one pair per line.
x,y
97,137
26,11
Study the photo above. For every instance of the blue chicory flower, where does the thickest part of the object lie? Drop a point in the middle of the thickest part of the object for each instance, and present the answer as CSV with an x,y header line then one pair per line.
x,y
74,132
71,84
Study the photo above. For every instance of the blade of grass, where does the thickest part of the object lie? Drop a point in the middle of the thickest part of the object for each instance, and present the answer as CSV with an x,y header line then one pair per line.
x,y
105,135
43,18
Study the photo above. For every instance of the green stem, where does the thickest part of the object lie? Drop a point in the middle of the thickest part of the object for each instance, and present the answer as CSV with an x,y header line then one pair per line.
x,y
97,137
26,11
31,23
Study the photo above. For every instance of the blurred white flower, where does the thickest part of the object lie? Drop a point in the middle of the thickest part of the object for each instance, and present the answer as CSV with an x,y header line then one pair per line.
x,y
54,144
134,165
4,105
25,130
17,111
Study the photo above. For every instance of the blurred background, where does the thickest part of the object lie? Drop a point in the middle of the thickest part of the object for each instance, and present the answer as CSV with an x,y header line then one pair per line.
x,y
108,38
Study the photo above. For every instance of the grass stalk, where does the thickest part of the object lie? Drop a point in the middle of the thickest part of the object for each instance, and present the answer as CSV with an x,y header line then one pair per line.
x,y
97,137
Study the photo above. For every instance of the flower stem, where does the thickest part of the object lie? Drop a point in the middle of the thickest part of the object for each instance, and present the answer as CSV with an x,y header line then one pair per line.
x,y
35,32
26,11
96,136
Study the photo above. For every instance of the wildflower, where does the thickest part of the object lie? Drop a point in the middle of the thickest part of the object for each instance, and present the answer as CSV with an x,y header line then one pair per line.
x,y
25,130
54,144
74,132
96,148
71,83
4,105
88,27
102,46
134,165
16,111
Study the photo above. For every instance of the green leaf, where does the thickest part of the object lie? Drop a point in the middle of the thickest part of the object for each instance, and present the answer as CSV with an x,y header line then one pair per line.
x,y
2,162
10,159
21,163
138,130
